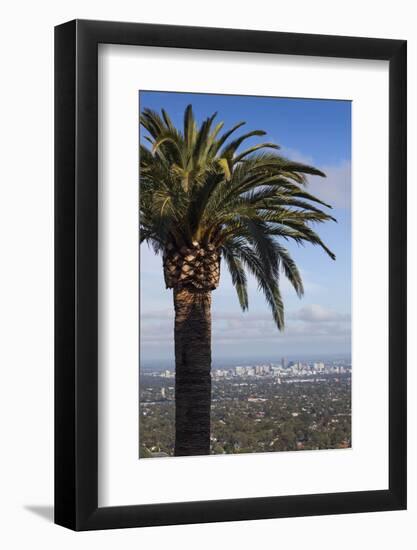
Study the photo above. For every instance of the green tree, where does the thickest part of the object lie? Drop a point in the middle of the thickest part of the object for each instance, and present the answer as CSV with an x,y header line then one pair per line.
x,y
204,201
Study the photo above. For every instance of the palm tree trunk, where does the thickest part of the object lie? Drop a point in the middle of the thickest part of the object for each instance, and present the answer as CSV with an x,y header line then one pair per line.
x,y
192,371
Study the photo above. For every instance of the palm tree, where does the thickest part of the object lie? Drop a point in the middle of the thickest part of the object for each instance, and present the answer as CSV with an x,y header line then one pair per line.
x,y
203,204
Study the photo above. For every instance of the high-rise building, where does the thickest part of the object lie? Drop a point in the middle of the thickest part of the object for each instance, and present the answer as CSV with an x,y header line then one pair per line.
x,y
319,366
240,371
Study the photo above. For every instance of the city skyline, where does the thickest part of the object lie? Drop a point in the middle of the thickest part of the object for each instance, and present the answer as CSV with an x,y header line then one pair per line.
x,y
268,368
228,363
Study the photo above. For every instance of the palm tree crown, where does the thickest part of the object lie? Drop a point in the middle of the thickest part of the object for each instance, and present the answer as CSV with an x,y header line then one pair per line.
x,y
203,200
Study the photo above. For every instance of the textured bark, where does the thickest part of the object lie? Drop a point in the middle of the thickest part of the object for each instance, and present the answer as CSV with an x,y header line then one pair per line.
x,y
195,266
192,371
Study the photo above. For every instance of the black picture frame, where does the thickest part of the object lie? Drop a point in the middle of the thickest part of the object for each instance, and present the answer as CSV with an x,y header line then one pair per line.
x,y
76,271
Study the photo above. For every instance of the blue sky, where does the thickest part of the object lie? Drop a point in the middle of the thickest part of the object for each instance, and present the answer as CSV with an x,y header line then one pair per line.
x,y
317,132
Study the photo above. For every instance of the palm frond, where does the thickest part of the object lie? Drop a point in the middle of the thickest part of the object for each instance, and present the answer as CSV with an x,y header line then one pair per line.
x,y
238,276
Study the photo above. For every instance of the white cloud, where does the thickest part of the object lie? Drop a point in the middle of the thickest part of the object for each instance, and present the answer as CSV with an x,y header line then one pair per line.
x,y
316,313
335,188
310,322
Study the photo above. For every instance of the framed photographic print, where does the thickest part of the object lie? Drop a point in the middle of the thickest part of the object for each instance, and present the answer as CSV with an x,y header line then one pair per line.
x,y
230,275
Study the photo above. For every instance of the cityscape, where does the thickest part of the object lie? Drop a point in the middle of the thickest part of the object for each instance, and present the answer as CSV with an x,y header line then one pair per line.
x,y
265,407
